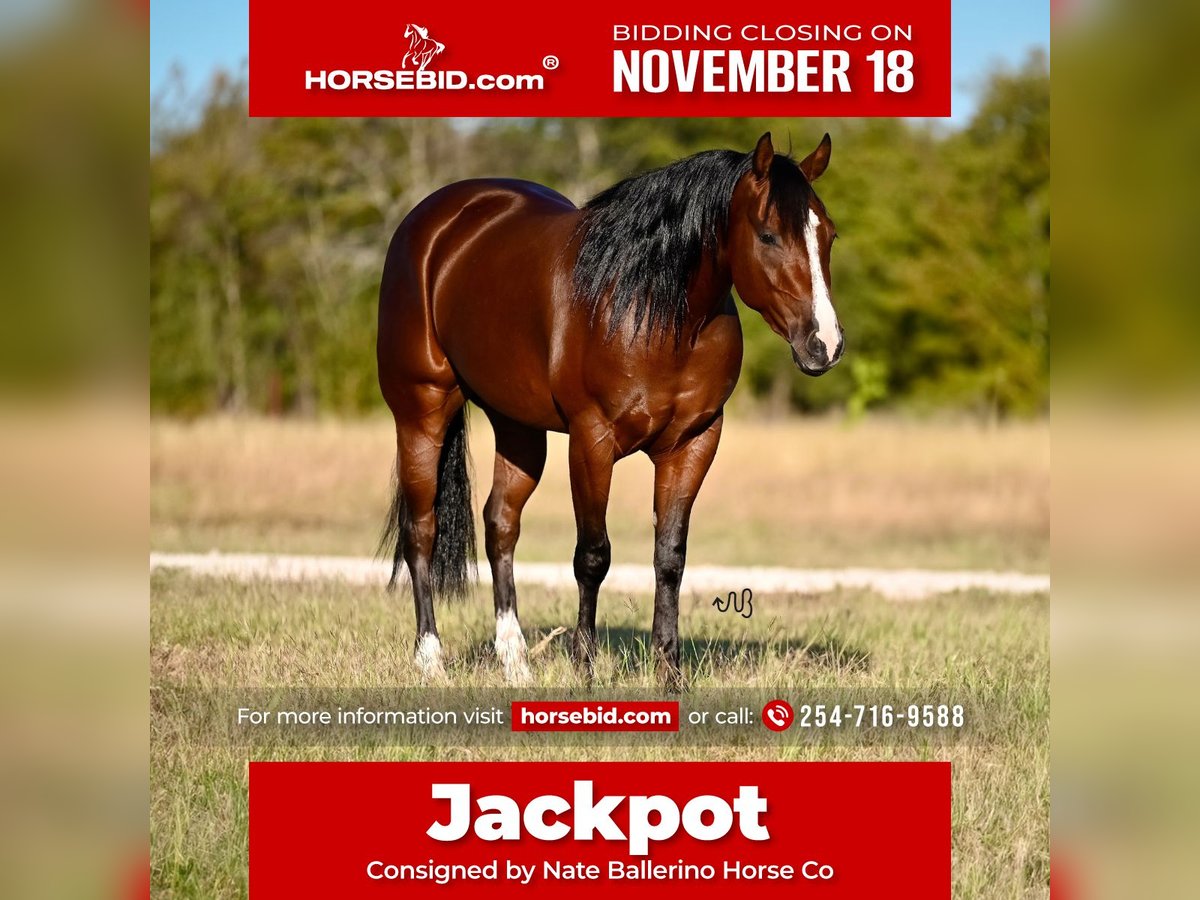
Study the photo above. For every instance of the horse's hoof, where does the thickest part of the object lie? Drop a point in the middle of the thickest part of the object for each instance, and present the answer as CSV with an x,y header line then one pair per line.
x,y
670,678
585,671
518,674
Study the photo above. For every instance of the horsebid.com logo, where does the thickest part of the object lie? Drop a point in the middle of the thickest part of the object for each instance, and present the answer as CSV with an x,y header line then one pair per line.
x,y
421,47
413,74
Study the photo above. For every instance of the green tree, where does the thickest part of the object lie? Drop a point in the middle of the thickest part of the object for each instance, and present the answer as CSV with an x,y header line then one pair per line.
x,y
268,236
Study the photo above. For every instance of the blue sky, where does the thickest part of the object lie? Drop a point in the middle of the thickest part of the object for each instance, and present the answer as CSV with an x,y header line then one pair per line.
x,y
201,36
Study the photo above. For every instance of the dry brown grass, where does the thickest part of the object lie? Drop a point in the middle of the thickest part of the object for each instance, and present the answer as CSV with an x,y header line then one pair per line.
x,y
792,493
795,492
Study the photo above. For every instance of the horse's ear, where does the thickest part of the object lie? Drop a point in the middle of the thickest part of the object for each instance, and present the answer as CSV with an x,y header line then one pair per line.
x,y
764,152
816,162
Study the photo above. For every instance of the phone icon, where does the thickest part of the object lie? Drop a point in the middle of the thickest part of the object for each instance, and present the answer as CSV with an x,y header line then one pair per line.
x,y
778,715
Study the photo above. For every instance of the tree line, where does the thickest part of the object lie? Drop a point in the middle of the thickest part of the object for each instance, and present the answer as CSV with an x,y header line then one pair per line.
x,y
268,237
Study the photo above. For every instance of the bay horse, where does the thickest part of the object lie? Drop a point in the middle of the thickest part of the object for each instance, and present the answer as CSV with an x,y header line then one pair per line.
x,y
613,323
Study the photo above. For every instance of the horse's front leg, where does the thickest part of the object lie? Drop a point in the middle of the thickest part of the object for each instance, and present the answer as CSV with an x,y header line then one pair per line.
x,y
592,454
678,475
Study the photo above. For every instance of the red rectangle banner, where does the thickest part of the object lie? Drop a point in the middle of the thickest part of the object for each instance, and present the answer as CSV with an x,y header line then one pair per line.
x,y
586,715
845,830
621,58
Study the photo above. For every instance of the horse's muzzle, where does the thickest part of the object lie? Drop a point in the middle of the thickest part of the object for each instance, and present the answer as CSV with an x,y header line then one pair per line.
x,y
810,356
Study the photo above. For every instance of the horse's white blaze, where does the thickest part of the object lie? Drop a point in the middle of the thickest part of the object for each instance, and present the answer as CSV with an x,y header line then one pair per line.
x,y
510,647
825,321
429,655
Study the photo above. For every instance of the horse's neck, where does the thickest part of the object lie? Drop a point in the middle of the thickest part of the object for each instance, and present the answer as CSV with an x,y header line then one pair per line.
x,y
709,289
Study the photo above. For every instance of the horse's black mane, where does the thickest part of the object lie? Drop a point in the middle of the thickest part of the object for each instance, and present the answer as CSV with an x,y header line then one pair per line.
x,y
642,240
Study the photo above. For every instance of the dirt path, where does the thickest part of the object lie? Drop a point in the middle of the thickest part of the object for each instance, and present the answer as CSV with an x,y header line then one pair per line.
x,y
896,584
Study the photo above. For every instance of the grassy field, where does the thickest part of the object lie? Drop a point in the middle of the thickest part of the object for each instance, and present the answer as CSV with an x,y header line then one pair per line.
x,y
882,493
210,633
791,493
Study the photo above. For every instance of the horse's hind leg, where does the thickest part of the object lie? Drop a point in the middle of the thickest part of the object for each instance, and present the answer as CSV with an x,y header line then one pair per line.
x,y
520,458
423,416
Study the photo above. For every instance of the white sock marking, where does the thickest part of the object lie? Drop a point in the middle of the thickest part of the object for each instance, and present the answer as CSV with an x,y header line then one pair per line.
x,y
429,655
510,647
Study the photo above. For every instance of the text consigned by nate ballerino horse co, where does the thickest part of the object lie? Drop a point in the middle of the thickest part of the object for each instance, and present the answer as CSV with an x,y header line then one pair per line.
x,y
651,819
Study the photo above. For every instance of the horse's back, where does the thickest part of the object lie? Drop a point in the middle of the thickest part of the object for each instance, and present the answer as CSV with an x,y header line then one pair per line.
x,y
476,196
475,276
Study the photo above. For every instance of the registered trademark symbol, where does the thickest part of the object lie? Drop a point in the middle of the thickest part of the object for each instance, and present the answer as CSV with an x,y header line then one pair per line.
x,y
550,62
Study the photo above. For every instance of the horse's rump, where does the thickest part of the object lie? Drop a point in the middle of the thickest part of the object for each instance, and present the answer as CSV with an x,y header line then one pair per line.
x,y
491,257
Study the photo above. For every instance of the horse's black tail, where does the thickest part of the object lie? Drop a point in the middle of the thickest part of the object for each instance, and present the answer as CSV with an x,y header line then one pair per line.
x,y
453,564
454,547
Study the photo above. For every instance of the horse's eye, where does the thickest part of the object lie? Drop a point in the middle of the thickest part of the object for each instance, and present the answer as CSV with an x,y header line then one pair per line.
x,y
767,238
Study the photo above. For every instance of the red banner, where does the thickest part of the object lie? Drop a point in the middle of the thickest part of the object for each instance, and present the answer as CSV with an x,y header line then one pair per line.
x,y
620,58
845,830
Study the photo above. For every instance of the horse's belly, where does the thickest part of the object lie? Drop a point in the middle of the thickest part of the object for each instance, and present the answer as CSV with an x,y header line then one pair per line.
x,y
510,380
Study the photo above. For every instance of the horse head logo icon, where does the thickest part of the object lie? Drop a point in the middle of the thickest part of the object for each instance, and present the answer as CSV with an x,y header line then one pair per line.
x,y
421,47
